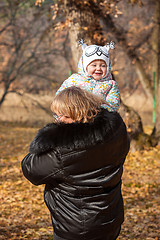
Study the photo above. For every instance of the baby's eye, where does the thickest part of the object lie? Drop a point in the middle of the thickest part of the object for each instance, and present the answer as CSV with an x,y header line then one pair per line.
x,y
103,65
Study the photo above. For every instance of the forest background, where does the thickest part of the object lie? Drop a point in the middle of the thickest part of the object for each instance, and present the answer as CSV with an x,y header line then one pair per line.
x,y
39,50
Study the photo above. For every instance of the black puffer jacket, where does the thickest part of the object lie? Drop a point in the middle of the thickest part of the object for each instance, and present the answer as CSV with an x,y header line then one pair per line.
x,y
81,165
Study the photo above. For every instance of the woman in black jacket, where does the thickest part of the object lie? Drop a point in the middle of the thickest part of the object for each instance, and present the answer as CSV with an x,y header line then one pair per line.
x,y
80,160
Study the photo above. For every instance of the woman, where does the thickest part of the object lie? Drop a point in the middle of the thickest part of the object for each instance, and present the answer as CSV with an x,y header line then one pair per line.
x,y
80,160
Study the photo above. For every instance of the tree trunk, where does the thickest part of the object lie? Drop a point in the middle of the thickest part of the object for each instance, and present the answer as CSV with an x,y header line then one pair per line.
x,y
83,25
139,139
74,37
79,19
145,81
156,64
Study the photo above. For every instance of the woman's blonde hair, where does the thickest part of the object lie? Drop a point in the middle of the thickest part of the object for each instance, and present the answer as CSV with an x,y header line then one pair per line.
x,y
78,104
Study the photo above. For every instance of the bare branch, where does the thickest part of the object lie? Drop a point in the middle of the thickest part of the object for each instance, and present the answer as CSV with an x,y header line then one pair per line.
x,y
5,27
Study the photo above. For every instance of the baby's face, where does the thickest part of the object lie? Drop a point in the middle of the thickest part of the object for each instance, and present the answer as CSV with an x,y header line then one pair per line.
x,y
97,69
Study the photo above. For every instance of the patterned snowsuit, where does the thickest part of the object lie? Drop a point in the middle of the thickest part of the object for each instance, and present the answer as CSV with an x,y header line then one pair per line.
x,y
105,87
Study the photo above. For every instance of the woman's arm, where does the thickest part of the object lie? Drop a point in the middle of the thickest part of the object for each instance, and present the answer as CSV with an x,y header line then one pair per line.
x,y
41,169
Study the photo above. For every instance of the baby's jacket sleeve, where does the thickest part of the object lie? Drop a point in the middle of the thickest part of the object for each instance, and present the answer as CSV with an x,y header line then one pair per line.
x,y
63,86
113,97
69,82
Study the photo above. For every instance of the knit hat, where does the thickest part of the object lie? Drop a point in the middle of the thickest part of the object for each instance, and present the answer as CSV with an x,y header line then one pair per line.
x,y
95,52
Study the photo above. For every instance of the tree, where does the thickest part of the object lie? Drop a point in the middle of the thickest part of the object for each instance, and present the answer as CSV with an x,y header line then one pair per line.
x,y
135,55
121,38
27,47
94,20
82,25
156,63
85,17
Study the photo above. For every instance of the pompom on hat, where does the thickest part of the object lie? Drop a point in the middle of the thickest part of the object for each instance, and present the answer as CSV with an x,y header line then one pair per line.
x,y
95,52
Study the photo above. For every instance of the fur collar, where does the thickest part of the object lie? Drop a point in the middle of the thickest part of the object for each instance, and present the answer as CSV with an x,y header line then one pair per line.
x,y
77,135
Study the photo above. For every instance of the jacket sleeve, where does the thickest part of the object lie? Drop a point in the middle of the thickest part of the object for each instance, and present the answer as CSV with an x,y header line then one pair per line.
x,y
113,97
63,86
41,169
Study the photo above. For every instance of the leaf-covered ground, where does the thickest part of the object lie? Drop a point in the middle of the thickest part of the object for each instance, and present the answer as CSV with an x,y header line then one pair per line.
x,y
24,215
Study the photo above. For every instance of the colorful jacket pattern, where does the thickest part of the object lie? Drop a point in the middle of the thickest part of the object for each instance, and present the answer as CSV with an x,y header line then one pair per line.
x,y
106,87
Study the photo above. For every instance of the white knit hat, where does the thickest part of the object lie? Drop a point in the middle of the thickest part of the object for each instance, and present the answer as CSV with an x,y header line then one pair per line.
x,y
95,52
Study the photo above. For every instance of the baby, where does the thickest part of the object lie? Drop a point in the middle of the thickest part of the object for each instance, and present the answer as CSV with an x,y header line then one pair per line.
x,y
94,75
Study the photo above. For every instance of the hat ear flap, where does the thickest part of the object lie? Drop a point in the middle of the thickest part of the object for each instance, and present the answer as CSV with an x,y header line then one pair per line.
x,y
109,66
81,42
110,45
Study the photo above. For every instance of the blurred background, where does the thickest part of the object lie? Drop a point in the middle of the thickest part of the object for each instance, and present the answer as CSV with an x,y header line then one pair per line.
x,y
39,50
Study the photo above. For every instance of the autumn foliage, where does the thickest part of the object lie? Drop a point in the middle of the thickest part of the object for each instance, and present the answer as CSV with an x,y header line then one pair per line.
x,y
25,216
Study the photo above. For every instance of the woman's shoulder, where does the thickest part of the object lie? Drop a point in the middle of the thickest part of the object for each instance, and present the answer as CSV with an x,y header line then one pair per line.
x,y
113,116
112,122
54,136
43,141
110,116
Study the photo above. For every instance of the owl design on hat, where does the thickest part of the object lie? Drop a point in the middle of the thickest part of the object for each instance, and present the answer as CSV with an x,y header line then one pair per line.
x,y
95,52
